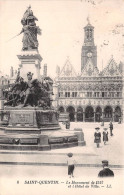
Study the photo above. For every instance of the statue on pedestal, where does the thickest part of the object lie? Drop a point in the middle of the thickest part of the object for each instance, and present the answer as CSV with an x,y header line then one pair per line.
x,y
30,30
32,93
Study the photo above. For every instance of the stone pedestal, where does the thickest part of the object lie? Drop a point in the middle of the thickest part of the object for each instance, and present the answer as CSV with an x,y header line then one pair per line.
x,y
31,120
80,135
32,128
22,121
30,62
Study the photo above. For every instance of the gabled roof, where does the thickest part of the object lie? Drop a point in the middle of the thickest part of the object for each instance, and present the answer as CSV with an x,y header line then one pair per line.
x,y
89,69
68,70
112,69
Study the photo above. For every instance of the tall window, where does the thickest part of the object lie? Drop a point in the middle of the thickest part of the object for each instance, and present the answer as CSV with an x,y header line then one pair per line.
x,y
90,33
112,94
74,94
67,94
89,94
118,94
60,94
103,94
96,94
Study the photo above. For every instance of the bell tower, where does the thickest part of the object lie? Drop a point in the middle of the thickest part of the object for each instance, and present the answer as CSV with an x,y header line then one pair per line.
x,y
89,50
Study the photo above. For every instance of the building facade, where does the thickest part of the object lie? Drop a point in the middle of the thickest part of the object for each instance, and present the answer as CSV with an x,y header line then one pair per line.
x,y
92,95
4,80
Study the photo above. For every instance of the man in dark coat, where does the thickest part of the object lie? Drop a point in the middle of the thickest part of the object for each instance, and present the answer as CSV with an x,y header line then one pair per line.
x,y
106,172
67,124
111,128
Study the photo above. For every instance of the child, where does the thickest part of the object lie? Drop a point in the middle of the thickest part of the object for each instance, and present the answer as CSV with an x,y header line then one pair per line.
x,y
71,165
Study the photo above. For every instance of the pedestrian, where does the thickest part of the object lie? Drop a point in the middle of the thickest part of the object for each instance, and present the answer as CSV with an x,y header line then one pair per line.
x,y
111,128
67,124
102,122
105,135
97,136
71,164
119,122
105,172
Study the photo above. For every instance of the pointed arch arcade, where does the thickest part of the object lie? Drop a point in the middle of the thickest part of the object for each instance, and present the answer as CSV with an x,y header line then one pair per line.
x,y
79,114
117,115
89,114
98,114
108,113
61,109
71,111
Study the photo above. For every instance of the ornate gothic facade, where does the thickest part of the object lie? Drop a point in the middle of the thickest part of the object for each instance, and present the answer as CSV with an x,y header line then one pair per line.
x,y
92,95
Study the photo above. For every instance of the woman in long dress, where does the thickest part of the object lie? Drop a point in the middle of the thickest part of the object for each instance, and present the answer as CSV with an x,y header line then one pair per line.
x,y
97,136
105,135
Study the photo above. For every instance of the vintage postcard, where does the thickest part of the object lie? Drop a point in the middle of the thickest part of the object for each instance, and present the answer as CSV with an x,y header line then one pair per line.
x,y
61,97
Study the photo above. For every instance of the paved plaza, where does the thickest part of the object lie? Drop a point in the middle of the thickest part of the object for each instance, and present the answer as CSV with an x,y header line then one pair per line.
x,y
21,166
85,156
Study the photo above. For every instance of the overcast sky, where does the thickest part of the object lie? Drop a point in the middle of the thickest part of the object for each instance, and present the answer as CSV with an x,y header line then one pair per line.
x,y
62,24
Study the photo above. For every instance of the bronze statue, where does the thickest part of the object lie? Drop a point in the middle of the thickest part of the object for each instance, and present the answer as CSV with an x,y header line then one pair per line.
x,y
30,30
15,95
32,93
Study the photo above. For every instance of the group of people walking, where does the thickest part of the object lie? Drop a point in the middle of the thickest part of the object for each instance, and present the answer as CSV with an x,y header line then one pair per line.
x,y
97,134
106,171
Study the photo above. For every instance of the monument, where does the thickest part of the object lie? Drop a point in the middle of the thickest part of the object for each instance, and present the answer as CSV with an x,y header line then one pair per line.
x,y
31,121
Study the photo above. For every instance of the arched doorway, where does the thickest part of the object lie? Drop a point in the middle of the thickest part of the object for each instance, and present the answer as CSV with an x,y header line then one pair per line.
x,y
61,109
71,112
79,114
98,114
108,113
89,114
117,114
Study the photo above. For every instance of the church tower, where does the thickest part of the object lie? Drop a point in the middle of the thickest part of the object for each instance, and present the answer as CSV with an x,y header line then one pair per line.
x,y
89,50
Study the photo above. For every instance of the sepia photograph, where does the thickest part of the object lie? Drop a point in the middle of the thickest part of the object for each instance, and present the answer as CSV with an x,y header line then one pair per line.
x,y
61,97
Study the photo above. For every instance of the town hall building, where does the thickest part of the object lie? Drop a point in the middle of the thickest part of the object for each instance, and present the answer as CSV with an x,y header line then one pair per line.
x,y
93,95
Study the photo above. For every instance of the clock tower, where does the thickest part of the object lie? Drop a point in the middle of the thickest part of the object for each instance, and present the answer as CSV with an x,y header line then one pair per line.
x,y
89,50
